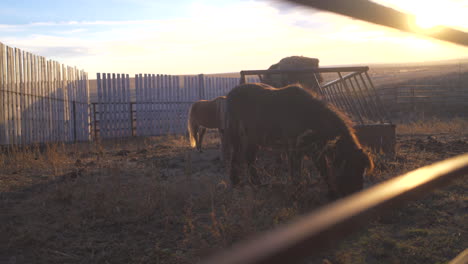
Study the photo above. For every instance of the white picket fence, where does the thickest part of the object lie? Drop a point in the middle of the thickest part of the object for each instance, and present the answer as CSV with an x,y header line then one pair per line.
x,y
160,106
112,114
41,100
44,101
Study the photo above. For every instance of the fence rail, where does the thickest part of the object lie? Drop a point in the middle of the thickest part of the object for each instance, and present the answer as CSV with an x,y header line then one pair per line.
x,y
41,100
321,229
438,99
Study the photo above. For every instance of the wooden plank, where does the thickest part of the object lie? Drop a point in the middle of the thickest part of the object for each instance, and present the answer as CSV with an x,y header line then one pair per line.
x,y
108,112
141,105
51,99
123,108
79,109
72,98
185,98
144,105
61,105
8,96
83,79
112,100
104,129
158,116
5,93
58,102
138,116
149,99
68,103
102,108
15,89
126,114
33,89
116,102
47,100
88,112
67,109
22,108
51,96
99,105
37,101
31,99
12,101
176,98
79,112
152,99
45,119
3,138
14,95
25,105
149,105
171,105
18,72
85,106
75,93
165,105
160,105
130,115
123,112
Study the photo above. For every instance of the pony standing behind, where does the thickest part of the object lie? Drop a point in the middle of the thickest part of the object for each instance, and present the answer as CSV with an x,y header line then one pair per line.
x,y
206,114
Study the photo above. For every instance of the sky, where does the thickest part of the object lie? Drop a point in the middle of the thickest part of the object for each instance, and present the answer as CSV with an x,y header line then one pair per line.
x,y
216,36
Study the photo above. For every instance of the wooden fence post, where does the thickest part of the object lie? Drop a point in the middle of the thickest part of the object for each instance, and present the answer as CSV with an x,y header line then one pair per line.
x,y
95,121
132,126
201,86
74,120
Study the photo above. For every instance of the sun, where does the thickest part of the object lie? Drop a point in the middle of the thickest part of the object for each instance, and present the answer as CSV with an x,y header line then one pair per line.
x,y
426,21
431,14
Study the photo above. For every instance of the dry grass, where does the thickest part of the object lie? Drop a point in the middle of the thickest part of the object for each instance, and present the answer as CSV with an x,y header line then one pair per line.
x,y
454,127
156,201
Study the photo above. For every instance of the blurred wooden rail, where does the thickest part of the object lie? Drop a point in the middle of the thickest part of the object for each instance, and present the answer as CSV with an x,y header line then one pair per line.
x,y
322,229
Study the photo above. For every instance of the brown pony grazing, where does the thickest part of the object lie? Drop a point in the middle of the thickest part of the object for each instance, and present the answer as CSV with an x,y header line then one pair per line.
x,y
205,114
295,121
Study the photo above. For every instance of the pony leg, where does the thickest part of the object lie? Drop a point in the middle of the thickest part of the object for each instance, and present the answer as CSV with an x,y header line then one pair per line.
x,y
326,172
222,145
201,133
295,165
236,166
251,156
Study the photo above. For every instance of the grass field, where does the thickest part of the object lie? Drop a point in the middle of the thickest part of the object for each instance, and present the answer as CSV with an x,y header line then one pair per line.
x,y
154,200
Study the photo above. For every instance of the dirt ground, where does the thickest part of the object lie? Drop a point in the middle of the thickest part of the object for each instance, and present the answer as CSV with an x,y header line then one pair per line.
x,y
155,200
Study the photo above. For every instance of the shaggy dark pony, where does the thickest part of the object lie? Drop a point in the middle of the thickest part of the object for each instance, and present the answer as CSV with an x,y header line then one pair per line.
x,y
205,114
300,124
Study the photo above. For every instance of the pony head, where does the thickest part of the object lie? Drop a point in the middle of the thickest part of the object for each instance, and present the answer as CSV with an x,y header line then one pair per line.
x,y
346,167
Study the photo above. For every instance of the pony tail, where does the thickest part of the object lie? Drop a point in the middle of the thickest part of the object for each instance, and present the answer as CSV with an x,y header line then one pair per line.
x,y
190,128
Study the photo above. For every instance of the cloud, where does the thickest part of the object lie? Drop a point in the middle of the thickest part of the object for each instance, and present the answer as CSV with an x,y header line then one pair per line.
x,y
62,52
